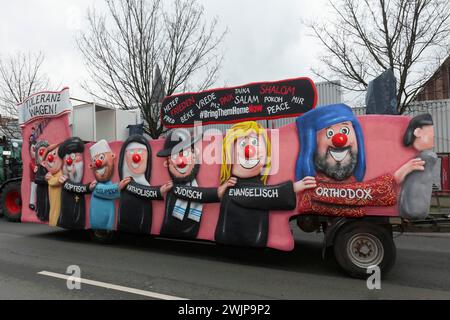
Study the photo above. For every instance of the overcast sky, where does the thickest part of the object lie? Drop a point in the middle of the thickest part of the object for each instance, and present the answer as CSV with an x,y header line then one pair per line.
x,y
266,38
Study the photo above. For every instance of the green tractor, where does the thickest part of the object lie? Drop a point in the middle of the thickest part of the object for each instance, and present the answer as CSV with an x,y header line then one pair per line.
x,y
10,178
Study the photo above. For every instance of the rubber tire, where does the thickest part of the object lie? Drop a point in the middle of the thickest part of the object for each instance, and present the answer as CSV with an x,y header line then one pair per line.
x,y
380,232
11,187
103,236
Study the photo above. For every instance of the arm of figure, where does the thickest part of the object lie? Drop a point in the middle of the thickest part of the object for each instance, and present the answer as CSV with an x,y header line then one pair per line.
x,y
144,192
305,184
107,191
276,197
196,194
76,187
416,164
53,180
224,187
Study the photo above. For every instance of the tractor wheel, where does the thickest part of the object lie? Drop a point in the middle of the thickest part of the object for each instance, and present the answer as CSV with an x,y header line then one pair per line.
x,y
12,202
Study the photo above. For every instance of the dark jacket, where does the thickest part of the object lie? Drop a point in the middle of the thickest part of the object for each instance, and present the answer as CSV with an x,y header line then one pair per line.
x,y
244,211
42,201
73,205
135,209
186,228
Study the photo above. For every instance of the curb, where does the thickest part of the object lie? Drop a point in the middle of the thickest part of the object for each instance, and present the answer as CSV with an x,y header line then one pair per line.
x,y
426,234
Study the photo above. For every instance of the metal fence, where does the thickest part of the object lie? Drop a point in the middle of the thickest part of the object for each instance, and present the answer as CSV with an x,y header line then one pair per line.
x,y
440,110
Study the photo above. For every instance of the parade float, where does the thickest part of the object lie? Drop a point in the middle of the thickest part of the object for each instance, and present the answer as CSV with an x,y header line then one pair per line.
x,y
351,177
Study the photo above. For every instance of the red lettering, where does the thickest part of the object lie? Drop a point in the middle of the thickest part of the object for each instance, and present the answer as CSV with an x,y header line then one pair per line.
x,y
283,90
182,106
226,99
255,108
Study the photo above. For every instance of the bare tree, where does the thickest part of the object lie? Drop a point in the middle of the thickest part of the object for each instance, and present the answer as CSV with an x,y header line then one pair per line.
x,y
140,52
366,37
20,76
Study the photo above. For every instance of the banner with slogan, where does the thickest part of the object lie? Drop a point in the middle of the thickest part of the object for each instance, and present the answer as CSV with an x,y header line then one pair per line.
x,y
44,120
255,101
44,105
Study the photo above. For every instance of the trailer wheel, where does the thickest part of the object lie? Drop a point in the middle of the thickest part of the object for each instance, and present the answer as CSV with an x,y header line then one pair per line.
x,y
359,246
103,236
11,202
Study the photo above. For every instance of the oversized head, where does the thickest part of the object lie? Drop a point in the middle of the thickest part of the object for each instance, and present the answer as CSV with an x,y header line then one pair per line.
x,y
181,155
246,152
102,161
420,133
331,142
71,152
52,161
40,151
135,159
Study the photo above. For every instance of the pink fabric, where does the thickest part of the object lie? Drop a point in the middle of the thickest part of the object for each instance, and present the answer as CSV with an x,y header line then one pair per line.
x,y
384,153
56,130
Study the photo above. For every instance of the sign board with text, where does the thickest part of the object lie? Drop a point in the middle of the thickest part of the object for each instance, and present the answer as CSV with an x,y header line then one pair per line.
x,y
255,101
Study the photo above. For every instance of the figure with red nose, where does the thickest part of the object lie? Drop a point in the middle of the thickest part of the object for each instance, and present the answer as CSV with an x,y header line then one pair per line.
x,y
135,165
184,202
331,166
246,199
53,163
42,202
73,204
102,208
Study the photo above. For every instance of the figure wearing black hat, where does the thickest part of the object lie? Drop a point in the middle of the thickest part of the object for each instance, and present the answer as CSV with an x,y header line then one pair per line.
x,y
417,187
184,203
73,204
135,165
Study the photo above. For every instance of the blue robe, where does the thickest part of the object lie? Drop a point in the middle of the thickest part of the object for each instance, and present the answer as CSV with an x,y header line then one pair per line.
x,y
102,209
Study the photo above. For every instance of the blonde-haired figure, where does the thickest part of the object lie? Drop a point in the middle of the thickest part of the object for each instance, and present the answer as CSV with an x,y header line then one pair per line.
x,y
246,199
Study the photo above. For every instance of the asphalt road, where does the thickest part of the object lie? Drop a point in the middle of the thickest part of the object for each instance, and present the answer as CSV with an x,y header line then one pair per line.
x,y
205,271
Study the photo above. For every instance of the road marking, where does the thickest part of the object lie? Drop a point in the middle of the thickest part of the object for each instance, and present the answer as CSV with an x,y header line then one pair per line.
x,y
111,286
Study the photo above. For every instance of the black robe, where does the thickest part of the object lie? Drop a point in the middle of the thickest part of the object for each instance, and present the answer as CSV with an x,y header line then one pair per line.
x,y
73,205
135,208
244,211
42,201
186,228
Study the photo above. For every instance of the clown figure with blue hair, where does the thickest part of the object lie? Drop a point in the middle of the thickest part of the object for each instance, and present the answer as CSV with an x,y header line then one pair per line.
x,y
332,164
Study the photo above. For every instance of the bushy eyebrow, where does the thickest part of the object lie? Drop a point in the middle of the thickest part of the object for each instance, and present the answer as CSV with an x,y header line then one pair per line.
x,y
341,123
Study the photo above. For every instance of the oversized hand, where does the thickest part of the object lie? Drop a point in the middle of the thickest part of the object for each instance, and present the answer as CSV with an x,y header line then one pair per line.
x,y
48,176
166,187
35,169
415,164
62,179
229,183
92,185
305,183
124,183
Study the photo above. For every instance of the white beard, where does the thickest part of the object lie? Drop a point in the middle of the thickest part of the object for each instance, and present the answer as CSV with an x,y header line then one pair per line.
x,y
76,175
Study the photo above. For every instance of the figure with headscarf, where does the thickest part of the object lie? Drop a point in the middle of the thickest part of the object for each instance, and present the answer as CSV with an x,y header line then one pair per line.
x,y
42,202
415,196
73,203
332,164
135,165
